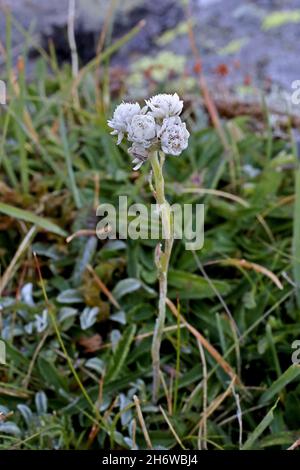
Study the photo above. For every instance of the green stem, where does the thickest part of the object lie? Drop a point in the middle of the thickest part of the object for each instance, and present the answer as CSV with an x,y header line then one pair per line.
x,y
162,263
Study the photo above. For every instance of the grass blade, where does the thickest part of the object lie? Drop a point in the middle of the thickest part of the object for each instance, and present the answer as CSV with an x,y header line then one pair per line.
x,y
121,353
28,216
259,429
288,376
296,236
72,181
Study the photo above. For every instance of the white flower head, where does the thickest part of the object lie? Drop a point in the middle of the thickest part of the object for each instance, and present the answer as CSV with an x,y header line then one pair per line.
x,y
151,128
122,117
142,130
173,135
165,105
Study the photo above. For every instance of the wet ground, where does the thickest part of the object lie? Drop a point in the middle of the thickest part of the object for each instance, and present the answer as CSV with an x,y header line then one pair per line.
x,y
239,40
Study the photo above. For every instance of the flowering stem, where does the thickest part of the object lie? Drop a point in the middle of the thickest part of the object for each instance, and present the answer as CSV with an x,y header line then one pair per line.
x,y
162,259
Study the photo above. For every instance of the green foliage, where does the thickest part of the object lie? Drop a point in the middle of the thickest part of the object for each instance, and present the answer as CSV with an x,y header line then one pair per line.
x,y
279,18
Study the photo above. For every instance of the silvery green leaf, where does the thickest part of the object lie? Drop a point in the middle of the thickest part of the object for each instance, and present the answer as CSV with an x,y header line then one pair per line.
x,y
26,413
126,416
86,255
186,349
10,428
23,314
131,428
66,312
139,387
119,317
41,321
9,332
7,302
115,337
63,393
119,438
251,171
29,328
18,331
96,364
41,403
70,296
4,410
130,444
49,251
105,404
88,317
262,345
126,286
26,294
149,290
150,408
114,245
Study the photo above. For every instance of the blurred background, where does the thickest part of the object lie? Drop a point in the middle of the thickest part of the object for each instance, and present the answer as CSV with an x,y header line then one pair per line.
x,y
241,43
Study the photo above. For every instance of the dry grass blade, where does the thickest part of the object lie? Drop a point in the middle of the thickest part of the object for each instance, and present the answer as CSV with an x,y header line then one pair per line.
x,y
26,116
33,360
295,445
12,265
231,197
210,349
142,336
87,233
81,233
202,435
243,264
142,422
172,428
217,192
14,392
103,287
215,404
4,417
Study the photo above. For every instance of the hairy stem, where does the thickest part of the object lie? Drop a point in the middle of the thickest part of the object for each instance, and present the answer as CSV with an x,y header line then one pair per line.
x,y
162,259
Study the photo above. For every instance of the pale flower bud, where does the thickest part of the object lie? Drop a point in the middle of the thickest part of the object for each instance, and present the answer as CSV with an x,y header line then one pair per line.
x,y
173,136
139,154
165,105
142,130
122,117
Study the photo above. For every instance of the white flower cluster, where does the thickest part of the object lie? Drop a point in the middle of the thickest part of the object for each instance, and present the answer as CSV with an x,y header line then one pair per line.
x,y
156,126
